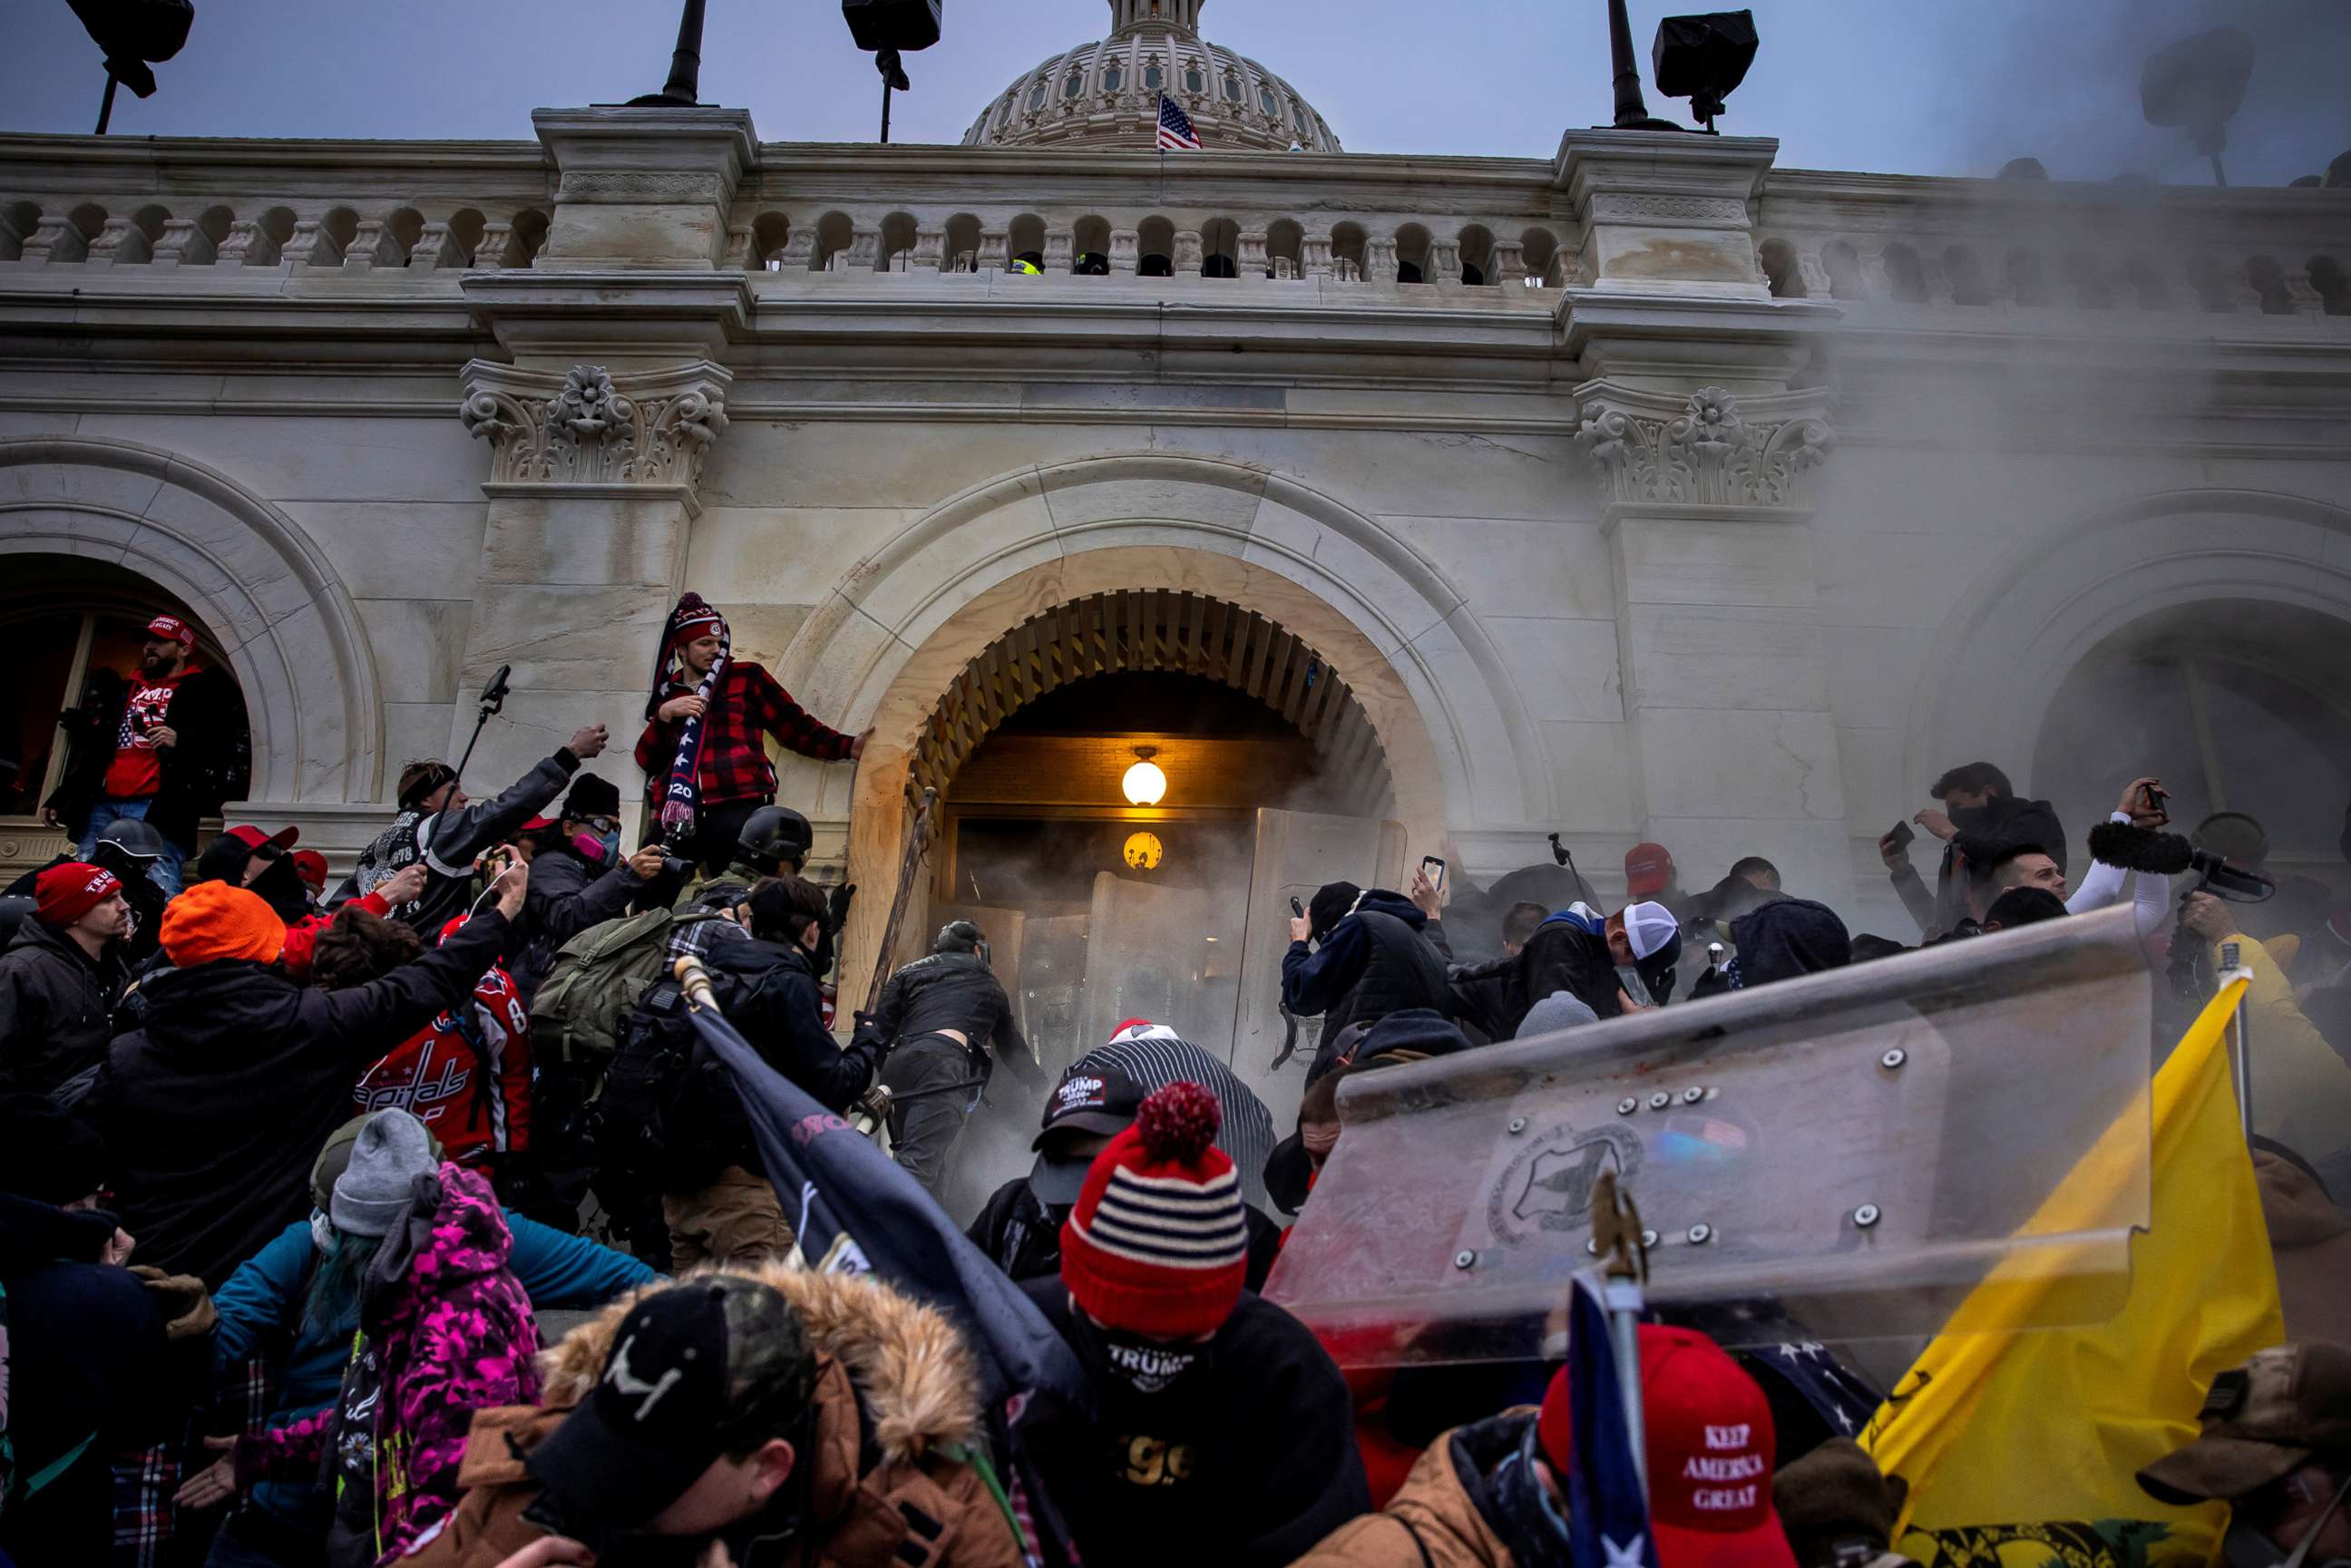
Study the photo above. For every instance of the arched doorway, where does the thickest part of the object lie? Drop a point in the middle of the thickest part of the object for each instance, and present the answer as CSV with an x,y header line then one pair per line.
x,y
2242,708
1130,785
70,621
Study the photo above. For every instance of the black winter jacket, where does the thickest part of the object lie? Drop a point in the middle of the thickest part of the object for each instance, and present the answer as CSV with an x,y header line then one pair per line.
x,y
216,1106
138,890
567,895
768,991
54,1005
449,843
88,1367
950,990
1988,834
1384,958
1559,957
212,762
1244,1461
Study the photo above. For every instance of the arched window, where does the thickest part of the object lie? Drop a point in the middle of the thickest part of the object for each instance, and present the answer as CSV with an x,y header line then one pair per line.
x,y
1232,90
1113,78
1037,96
1074,86
1270,104
1195,81
72,621
1154,78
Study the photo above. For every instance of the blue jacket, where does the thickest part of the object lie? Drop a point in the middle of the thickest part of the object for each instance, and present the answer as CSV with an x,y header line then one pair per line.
x,y
260,1310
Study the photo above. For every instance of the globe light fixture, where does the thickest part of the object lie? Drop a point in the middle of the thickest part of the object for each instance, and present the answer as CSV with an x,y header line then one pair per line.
x,y
1145,783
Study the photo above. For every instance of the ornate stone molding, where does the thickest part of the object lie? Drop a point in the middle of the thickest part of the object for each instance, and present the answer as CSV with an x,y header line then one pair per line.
x,y
588,427
1709,449
634,187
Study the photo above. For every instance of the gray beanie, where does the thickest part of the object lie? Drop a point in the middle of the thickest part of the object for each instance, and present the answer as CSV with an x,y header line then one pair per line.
x,y
391,1150
1558,1011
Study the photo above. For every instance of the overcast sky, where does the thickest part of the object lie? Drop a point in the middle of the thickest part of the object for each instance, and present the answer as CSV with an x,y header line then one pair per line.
x,y
1899,86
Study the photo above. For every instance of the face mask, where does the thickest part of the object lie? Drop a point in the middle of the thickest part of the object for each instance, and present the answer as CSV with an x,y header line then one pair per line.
x,y
591,848
322,1230
1131,1361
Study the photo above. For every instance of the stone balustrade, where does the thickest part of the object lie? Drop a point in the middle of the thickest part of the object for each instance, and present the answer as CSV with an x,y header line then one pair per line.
x,y
1445,224
1972,244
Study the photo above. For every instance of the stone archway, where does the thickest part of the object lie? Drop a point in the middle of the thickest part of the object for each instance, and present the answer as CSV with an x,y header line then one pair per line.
x,y
901,625
264,591
1999,658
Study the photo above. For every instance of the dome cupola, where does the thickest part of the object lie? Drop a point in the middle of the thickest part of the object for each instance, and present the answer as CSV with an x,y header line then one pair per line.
x,y
1106,94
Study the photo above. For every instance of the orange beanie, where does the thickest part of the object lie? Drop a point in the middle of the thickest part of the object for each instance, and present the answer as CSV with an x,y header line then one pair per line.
x,y
212,921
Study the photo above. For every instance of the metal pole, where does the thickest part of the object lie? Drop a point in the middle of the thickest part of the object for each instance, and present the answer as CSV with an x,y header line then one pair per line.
x,y
1631,111
1624,1298
2240,1051
106,106
686,61
885,108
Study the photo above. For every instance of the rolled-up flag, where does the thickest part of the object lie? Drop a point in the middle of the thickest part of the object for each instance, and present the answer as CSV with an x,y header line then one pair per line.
x,y
855,1210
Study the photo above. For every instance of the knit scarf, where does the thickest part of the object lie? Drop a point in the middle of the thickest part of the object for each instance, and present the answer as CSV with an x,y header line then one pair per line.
x,y
681,796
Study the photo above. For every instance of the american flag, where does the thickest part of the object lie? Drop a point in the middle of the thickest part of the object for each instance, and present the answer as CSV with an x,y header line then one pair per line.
x,y
1175,132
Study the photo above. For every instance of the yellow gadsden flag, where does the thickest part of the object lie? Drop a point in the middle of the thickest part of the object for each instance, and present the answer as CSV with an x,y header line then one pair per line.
x,y
2022,1450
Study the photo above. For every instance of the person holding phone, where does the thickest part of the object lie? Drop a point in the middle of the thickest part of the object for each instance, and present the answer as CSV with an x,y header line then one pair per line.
x,y
1983,824
1357,956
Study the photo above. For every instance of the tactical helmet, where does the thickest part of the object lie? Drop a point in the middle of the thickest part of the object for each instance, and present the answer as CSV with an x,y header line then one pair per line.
x,y
773,835
135,837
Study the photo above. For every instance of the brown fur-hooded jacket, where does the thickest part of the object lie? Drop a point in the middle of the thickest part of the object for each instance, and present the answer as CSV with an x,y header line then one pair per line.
x,y
920,1395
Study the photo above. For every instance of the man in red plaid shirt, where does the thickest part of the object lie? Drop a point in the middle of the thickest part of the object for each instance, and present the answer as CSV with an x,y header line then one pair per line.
x,y
733,776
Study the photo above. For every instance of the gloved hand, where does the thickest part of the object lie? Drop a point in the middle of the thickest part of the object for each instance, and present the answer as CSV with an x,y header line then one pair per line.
x,y
876,1103
836,914
869,1035
186,1305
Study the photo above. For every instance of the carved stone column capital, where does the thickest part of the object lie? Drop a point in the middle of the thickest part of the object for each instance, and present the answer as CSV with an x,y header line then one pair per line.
x,y
589,427
1710,448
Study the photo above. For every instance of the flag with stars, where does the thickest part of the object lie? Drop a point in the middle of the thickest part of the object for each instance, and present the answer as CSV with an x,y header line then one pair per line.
x,y
1608,1517
1175,132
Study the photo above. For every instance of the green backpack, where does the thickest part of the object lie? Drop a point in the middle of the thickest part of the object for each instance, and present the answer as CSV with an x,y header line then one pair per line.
x,y
597,979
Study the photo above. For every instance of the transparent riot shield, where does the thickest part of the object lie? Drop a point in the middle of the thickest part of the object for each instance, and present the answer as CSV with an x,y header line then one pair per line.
x,y
1949,1141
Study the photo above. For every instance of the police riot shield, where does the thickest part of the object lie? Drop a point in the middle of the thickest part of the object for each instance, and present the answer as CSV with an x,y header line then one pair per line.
x,y
1853,1155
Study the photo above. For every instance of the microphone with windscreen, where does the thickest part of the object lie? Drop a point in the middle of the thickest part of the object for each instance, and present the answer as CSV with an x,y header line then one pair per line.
x,y
2169,855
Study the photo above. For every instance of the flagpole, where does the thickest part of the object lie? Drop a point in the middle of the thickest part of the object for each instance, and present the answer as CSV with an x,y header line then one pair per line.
x,y
1616,1237
2241,1051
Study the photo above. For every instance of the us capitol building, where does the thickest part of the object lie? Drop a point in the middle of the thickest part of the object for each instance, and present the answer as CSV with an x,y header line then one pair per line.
x,y
1394,504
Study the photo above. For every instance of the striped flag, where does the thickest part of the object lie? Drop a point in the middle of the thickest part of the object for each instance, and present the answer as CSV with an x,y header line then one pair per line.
x,y
1175,132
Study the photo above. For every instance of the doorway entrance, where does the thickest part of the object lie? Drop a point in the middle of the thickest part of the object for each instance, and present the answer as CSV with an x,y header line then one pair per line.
x,y
1124,779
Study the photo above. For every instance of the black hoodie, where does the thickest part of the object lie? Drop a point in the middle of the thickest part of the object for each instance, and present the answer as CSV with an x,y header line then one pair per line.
x,y
215,1107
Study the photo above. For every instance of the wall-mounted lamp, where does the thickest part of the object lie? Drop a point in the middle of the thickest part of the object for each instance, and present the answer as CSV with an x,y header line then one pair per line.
x,y
1145,783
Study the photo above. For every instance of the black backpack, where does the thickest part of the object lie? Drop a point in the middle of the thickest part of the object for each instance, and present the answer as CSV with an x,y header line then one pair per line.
x,y
668,1114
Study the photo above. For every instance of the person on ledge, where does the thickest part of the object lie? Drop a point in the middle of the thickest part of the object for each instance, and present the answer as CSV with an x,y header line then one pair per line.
x,y
705,765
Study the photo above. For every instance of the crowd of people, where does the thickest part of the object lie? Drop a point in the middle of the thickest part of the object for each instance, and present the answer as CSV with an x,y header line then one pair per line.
x,y
412,1219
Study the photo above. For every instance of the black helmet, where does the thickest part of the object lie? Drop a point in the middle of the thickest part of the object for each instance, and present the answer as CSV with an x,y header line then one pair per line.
x,y
135,837
14,910
774,834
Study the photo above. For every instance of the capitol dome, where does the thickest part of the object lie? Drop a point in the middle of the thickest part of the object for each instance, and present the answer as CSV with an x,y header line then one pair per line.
x,y
1106,94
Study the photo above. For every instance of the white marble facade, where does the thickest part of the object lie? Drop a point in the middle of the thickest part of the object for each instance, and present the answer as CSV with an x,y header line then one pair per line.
x,y
1687,497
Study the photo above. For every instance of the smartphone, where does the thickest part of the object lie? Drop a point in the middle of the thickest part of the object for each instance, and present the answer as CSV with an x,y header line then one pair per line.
x,y
1433,869
1903,835
1297,910
2156,799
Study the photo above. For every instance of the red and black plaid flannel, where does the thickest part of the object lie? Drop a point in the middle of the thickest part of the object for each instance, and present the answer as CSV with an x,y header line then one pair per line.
x,y
734,765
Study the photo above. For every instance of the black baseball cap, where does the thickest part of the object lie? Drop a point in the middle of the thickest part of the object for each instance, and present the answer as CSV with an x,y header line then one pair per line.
x,y
1087,1099
685,1364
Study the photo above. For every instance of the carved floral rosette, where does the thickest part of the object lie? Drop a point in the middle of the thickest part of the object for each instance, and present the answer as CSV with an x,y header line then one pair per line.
x,y
1712,448
589,428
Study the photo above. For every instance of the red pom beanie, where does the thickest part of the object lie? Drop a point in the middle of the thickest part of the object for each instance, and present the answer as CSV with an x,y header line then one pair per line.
x,y
1157,1244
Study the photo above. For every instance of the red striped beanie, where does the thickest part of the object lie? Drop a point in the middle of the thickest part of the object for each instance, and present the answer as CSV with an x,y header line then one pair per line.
x,y
1157,1244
